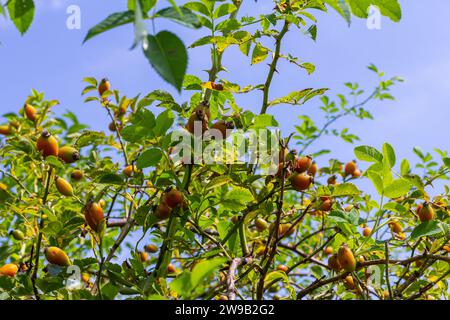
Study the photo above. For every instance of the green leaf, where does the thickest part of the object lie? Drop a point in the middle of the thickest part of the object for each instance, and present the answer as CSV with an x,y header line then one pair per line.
x,y
395,207
109,291
237,198
110,178
135,133
404,167
389,154
351,217
146,5
21,13
341,7
263,121
345,189
182,284
397,188
163,122
376,180
112,21
259,53
204,269
54,162
299,97
224,9
429,228
389,8
149,158
217,182
446,162
49,284
168,55
187,18
369,154
198,7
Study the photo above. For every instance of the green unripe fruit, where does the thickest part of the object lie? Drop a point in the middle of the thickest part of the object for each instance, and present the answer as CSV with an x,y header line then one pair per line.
x,y
17,235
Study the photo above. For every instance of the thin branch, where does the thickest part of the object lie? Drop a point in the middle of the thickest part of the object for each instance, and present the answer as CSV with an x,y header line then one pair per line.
x,y
273,67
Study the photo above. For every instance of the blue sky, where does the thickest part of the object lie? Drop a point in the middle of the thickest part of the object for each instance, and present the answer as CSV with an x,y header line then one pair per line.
x,y
52,59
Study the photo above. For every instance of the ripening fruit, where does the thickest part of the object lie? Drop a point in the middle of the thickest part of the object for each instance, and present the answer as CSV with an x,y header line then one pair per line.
x,y
17,235
102,203
77,175
312,171
129,170
47,145
69,154
328,250
104,86
113,126
367,231
93,214
286,228
5,130
419,207
446,248
171,268
426,213
283,268
204,107
302,164
173,198
224,128
151,248
283,229
326,204
332,180
163,211
85,277
143,256
57,256
124,106
395,226
9,270
198,119
357,173
333,263
223,297
350,168
261,224
301,181
30,112
64,187
349,283
346,258
234,219
349,208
